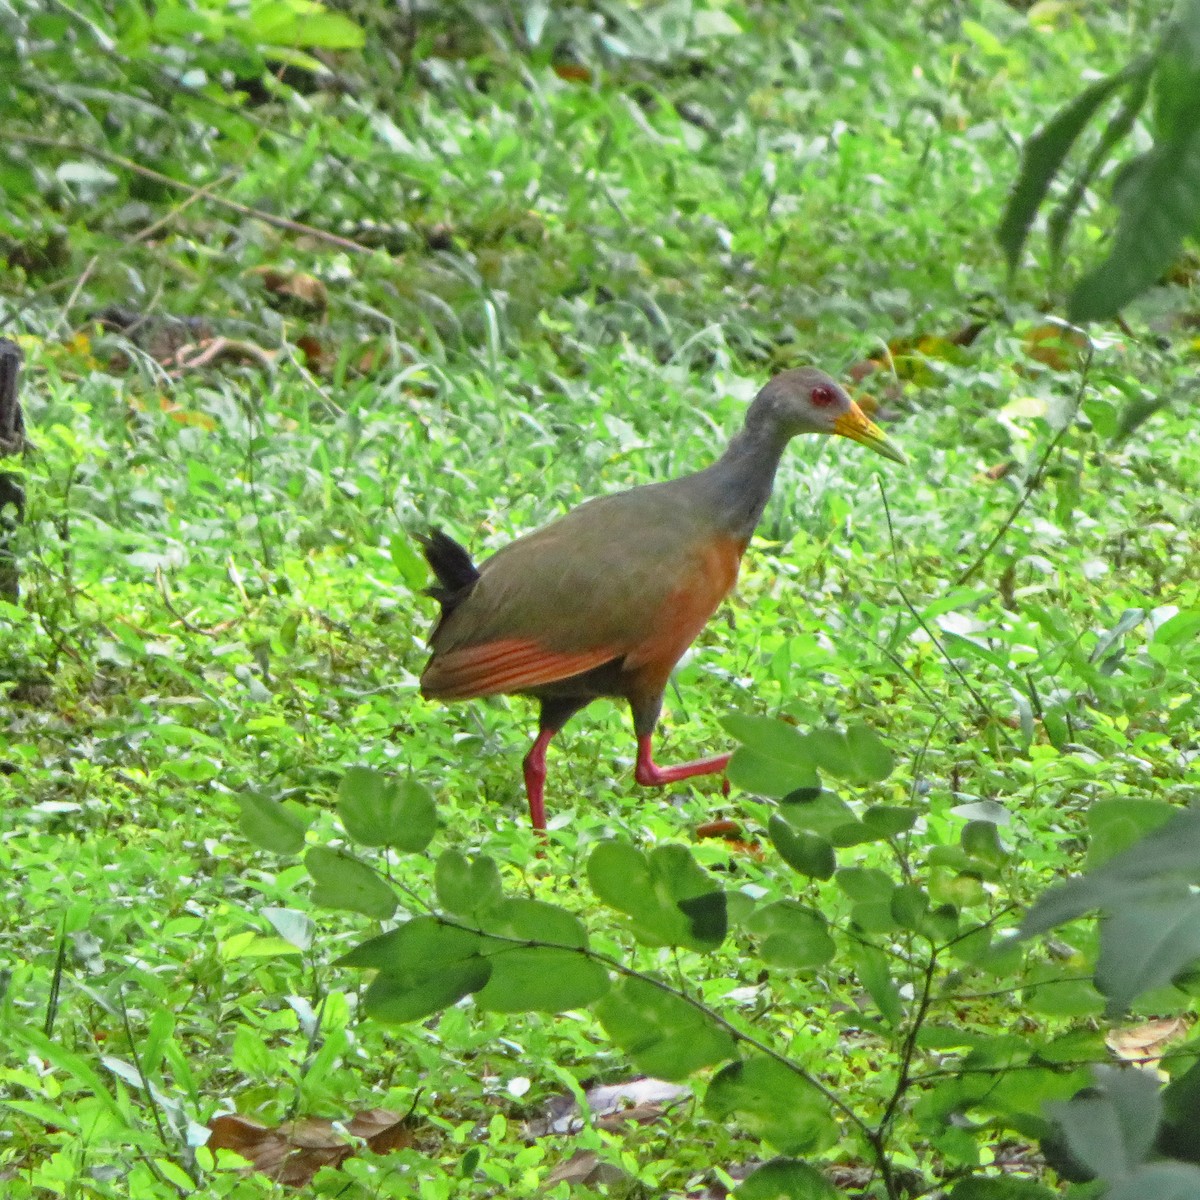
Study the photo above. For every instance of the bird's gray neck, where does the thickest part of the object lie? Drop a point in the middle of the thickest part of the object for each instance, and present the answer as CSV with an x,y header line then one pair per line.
x,y
736,488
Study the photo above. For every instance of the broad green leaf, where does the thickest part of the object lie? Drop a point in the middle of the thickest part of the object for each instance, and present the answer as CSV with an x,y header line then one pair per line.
x,y
1055,990
874,970
769,737
1115,825
941,925
879,823
379,810
466,888
1142,871
1129,620
1110,1129
269,825
1000,1187
1117,129
1179,630
786,1179
342,881
177,21
410,565
872,761
866,884
821,813
774,758
793,935
852,833
662,1033
888,821
249,944
423,941
1179,1133
909,905
962,890
774,1103
540,979
1158,1181
808,853
981,840
300,23
873,916
1159,208
831,753
763,776
425,989
1044,154
1146,944
291,925
669,898
535,921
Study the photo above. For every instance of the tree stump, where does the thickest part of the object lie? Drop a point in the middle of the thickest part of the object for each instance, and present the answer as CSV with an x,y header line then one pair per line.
x,y
12,491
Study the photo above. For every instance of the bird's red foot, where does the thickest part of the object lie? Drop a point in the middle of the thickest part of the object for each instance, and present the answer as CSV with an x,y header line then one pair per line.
x,y
649,774
535,780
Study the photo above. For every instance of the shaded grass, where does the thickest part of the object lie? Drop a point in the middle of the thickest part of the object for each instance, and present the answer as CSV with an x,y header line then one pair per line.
x,y
588,288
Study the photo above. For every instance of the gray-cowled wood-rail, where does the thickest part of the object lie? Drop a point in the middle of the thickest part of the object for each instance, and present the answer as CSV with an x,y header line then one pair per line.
x,y
605,600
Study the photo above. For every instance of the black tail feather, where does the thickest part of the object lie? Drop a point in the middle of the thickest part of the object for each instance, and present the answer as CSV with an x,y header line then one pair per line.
x,y
456,573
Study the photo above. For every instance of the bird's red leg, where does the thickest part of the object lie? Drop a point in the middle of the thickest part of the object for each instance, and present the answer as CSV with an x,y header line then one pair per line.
x,y
649,774
535,778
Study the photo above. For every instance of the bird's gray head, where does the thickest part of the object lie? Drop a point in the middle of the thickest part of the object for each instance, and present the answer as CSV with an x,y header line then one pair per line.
x,y
805,400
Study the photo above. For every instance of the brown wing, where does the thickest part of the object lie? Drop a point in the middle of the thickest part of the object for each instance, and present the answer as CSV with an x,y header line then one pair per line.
x,y
626,576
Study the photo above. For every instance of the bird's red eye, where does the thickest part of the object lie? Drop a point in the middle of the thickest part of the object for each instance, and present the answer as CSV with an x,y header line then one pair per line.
x,y
822,396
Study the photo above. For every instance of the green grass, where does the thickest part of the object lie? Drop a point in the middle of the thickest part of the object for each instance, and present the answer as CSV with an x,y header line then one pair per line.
x,y
224,598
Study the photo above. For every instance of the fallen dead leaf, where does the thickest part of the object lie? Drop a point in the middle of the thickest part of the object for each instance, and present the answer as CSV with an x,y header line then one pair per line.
x,y
318,356
642,1100
719,829
291,1154
584,1169
213,350
731,833
573,72
294,285
1145,1043
999,471
907,357
373,358
1054,346
185,416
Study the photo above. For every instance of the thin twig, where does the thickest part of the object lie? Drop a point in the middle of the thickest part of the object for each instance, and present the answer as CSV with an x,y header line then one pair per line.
x,y
737,1034
245,210
1035,480
920,620
158,1124
203,193
80,284
908,1051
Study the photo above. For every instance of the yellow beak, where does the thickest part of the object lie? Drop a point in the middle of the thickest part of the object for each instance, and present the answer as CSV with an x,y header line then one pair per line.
x,y
858,427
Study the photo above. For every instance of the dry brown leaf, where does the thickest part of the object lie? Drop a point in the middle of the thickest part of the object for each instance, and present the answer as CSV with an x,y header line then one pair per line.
x,y
1145,1043
643,1100
731,833
318,356
373,357
584,1169
294,285
1000,470
725,828
1054,346
293,1153
573,72
212,350
184,416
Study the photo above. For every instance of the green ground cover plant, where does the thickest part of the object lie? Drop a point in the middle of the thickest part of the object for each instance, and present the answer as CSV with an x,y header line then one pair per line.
x,y
293,282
